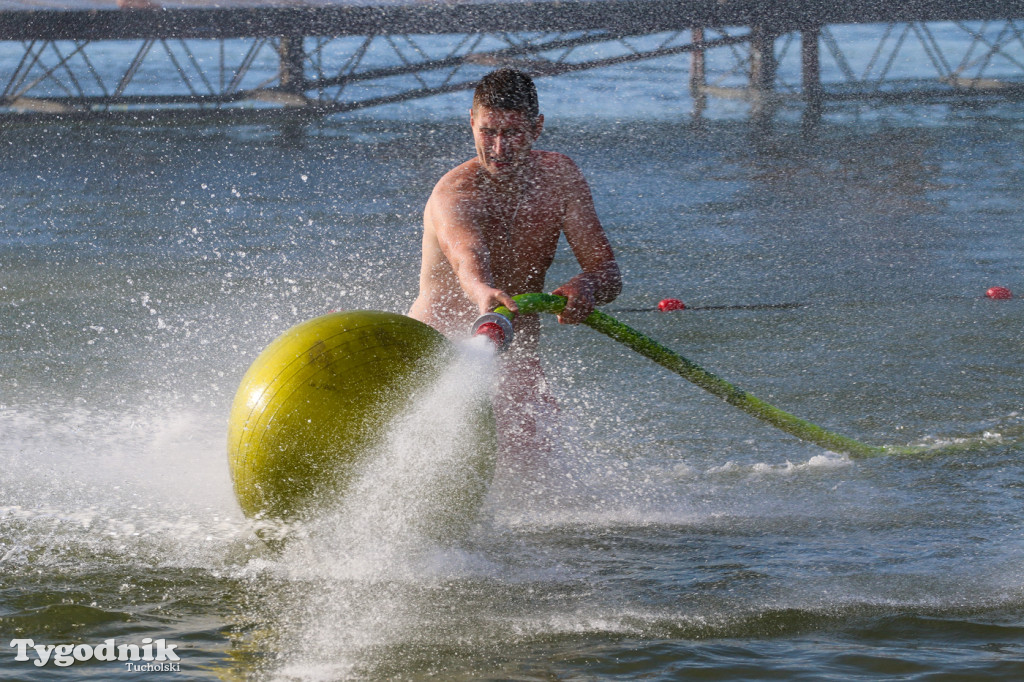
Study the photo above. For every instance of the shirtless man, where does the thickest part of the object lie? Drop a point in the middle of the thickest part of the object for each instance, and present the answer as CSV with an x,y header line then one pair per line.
x,y
490,230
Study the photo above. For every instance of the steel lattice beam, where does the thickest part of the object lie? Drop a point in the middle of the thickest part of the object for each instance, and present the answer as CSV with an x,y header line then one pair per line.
x,y
329,74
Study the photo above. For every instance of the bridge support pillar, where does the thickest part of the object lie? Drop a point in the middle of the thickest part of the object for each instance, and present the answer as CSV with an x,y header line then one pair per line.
x,y
698,72
763,69
292,57
810,76
763,65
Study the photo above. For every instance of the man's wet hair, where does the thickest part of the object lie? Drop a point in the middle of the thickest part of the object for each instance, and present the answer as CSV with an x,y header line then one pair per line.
x,y
508,89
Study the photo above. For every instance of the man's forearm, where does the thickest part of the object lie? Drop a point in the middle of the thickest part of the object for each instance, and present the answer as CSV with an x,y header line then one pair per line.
x,y
604,283
474,274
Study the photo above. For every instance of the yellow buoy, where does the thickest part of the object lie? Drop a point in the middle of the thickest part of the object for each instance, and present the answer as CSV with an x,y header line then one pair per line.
x,y
318,398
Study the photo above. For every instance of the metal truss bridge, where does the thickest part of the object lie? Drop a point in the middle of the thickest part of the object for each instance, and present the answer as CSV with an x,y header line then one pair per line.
x,y
252,58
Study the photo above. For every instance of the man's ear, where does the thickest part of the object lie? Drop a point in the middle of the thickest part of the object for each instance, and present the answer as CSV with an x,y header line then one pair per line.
x,y
538,126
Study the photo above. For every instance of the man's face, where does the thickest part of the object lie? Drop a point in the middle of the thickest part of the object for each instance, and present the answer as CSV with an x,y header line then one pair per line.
x,y
503,138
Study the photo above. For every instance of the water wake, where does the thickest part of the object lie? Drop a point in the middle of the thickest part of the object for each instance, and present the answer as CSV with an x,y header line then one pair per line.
x,y
82,485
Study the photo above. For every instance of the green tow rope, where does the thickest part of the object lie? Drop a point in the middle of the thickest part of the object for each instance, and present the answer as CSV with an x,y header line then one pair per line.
x,y
649,348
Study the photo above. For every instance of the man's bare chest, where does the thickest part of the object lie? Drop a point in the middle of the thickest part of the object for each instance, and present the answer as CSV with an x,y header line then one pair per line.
x,y
527,226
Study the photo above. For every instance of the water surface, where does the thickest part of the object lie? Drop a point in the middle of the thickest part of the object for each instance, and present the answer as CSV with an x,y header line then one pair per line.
x,y
670,536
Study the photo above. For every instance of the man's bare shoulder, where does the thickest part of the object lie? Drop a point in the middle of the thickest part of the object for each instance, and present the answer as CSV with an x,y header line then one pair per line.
x,y
553,159
557,167
455,194
460,180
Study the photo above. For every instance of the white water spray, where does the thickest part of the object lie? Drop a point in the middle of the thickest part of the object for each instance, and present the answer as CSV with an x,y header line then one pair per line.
x,y
353,581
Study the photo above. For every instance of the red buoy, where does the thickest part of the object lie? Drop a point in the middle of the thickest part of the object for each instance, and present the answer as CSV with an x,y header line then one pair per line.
x,y
999,293
671,304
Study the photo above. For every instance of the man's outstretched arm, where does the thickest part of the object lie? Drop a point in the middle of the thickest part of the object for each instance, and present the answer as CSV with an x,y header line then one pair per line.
x,y
463,245
600,282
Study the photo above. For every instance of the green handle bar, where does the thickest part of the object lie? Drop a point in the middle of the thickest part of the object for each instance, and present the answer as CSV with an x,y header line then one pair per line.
x,y
651,349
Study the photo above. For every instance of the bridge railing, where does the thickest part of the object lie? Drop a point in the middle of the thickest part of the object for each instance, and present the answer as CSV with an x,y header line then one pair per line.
x,y
321,75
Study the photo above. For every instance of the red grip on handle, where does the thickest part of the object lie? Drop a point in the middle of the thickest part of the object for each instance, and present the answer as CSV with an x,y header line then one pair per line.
x,y
493,332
